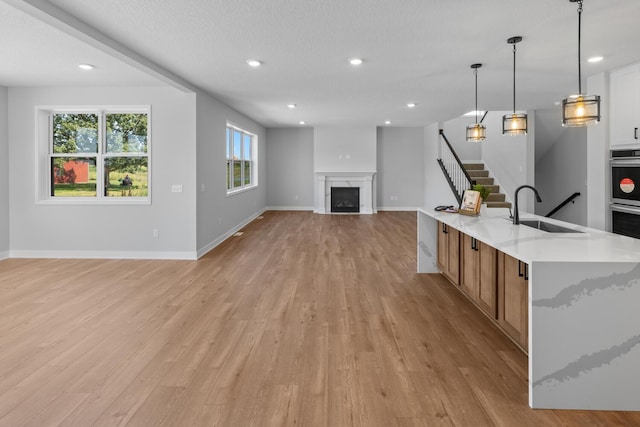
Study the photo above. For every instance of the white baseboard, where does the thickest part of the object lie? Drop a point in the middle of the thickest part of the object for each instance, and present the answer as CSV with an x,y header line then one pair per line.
x,y
187,255
289,208
395,209
210,246
104,254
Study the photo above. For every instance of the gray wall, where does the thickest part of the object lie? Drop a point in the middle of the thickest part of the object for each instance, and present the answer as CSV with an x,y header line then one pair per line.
x,y
344,149
219,215
401,161
45,230
510,158
456,132
290,174
562,170
598,171
4,175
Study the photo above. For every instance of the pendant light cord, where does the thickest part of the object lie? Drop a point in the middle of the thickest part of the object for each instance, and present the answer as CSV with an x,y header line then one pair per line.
x,y
475,72
514,79
579,43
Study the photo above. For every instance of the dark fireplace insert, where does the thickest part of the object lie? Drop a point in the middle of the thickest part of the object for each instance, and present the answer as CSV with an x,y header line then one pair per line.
x,y
345,199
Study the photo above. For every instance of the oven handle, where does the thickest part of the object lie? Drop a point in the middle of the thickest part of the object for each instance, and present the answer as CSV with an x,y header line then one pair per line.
x,y
625,209
625,161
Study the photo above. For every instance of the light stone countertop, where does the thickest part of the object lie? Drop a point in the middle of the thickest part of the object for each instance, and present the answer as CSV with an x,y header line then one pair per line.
x,y
529,245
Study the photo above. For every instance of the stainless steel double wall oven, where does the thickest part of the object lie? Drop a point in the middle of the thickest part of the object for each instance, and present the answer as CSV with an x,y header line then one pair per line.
x,y
625,192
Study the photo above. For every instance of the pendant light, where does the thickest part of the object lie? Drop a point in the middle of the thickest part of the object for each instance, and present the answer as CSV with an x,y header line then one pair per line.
x,y
477,131
514,124
580,109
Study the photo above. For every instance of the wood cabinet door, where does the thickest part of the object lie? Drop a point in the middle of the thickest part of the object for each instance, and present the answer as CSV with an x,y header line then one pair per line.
x,y
512,298
443,247
453,243
487,285
469,268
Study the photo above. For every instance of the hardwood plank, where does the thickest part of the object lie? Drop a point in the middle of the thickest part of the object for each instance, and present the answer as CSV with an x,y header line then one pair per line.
x,y
313,320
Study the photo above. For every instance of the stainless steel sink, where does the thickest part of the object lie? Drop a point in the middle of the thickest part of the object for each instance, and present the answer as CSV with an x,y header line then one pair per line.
x,y
548,227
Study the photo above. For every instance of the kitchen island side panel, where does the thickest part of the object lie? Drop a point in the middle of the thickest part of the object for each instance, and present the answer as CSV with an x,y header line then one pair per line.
x,y
584,334
427,244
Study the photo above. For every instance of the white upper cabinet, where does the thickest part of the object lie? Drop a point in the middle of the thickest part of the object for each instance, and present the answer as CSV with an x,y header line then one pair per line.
x,y
625,107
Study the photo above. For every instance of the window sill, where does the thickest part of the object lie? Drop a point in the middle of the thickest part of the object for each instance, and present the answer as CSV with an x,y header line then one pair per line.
x,y
93,202
240,190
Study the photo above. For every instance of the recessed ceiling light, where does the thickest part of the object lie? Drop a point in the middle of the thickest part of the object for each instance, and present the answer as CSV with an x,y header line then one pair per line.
x,y
411,104
594,59
254,63
86,67
291,106
387,122
355,61
302,122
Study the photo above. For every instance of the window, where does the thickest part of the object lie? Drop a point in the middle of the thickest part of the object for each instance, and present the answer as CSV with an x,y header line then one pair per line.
x,y
96,155
241,159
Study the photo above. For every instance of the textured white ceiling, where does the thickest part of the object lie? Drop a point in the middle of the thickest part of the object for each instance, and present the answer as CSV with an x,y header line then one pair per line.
x,y
33,53
414,50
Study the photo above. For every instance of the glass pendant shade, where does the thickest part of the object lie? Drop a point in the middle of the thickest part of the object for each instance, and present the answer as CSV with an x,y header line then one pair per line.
x,y
476,132
580,110
514,124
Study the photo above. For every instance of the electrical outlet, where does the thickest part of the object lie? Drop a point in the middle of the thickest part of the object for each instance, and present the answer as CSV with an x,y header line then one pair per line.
x,y
156,233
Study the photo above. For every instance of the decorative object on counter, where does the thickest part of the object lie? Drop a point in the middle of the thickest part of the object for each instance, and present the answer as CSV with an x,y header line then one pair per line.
x,y
477,131
448,209
580,109
471,202
514,124
483,190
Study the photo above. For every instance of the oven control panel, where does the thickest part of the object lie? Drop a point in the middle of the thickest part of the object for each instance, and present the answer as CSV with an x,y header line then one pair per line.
x,y
625,154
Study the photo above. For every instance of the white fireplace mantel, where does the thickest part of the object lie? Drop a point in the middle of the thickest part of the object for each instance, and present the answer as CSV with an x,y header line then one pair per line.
x,y
362,180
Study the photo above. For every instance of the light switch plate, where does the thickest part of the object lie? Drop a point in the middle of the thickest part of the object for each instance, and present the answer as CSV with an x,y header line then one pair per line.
x,y
176,188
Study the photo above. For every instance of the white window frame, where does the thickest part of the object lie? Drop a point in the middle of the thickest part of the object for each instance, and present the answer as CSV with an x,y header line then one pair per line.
x,y
44,153
253,160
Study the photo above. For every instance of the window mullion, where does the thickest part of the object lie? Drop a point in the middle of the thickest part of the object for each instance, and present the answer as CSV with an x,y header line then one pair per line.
x,y
241,159
100,188
51,133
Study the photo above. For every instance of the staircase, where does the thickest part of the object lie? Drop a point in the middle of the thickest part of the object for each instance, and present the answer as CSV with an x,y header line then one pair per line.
x,y
481,176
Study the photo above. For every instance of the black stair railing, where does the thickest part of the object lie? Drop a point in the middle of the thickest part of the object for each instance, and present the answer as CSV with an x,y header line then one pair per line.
x,y
455,173
563,204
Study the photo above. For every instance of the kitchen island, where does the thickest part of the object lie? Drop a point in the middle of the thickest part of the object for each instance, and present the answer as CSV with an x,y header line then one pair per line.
x,y
582,297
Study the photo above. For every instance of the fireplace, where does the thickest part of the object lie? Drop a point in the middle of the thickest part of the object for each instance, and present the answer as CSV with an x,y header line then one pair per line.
x,y
345,199
362,181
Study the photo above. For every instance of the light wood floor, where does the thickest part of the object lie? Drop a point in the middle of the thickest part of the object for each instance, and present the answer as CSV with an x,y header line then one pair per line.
x,y
305,320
